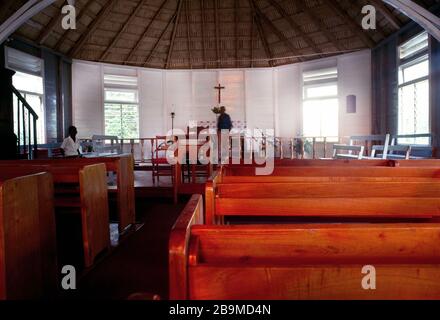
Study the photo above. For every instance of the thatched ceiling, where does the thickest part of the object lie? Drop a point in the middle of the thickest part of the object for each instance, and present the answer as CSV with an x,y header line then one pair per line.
x,y
176,34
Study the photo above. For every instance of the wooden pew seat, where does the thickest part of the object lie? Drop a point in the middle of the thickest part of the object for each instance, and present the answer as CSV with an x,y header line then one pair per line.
x,y
311,261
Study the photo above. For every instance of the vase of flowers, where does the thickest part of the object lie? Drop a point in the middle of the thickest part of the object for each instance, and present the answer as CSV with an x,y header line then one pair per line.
x,y
216,110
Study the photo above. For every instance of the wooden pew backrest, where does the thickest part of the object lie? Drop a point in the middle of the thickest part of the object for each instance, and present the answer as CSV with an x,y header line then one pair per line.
x,y
122,165
179,245
94,211
20,248
312,262
46,220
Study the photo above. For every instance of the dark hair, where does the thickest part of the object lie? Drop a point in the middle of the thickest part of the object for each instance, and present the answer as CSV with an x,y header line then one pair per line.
x,y
72,129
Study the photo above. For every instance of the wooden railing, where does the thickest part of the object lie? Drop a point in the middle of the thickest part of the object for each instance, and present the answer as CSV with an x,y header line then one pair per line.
x,y
26,126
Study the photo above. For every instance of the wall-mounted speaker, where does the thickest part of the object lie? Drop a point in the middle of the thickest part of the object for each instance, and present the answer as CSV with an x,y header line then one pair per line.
x,y
351,104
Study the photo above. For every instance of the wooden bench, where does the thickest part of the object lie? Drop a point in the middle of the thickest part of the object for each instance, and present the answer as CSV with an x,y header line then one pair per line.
x,y
325,192
123,167
338,148
83,189
311,261
28,265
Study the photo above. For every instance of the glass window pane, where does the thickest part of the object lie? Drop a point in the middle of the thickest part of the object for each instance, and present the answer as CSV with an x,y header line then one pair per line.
x,y
121,96
122,120
321,118
328,90
414,110
414,72
29,83
415,45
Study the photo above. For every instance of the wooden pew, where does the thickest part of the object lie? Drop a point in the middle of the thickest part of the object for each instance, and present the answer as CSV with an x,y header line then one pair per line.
x,y
28,266
123,166
46,215
315,261
343,192
92,204
83,189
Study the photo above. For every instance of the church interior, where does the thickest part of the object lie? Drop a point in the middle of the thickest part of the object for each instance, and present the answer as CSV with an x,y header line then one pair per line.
x,y
219,150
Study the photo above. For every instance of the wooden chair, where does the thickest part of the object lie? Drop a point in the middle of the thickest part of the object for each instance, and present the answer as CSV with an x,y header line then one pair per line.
x,y
394,152
161,166
418,151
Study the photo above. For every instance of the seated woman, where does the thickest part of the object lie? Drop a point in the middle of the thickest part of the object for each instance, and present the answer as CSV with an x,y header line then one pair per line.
x,y
71,146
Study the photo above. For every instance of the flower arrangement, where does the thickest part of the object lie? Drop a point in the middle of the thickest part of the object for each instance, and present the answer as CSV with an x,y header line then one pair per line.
x,y
216,110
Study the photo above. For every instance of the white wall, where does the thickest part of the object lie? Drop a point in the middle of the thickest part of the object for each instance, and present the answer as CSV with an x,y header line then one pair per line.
x,y
263,98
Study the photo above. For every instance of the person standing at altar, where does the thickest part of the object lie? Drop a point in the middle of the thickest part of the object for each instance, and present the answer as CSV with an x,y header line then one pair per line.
x,y
224,126
224,120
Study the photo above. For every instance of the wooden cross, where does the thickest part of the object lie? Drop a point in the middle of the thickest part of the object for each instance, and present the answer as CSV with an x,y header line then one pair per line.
x,y
219,88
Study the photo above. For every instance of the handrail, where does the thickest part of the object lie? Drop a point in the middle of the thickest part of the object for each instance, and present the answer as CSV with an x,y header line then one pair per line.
x,y
26,129
24,102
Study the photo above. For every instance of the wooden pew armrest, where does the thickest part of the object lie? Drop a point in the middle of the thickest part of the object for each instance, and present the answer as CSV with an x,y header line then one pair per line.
x,y
178,246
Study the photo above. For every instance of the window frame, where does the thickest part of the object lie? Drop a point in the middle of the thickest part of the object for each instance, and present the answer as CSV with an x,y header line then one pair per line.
x,y
417,57
121,88
320,82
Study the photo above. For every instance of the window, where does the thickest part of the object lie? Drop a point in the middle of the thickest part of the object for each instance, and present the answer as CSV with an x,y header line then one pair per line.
x,y
31,88
320,103
414,89
121,106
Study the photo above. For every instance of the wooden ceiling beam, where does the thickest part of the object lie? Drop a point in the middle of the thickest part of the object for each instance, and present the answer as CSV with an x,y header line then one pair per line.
x,y
202,13
354,26
156,45
102,15
47,30
321,26
188,33
5,9
252,41
277,32
80,14
173,37
295,26
123,29
387,13
261,34
236,32
145,33
217,33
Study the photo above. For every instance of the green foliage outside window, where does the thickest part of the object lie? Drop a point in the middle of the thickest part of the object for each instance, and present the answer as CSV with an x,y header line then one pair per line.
x,y
122,120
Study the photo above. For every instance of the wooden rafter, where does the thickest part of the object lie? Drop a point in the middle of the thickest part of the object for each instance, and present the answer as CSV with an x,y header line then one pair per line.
x,y
188,33
47,30
173,19
252,41
236,31
80,14
278,33
103,14
321,26
123,29
392,19
145,33
202,12
295,26
261,34
173,36
354,26
5,9
217,34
